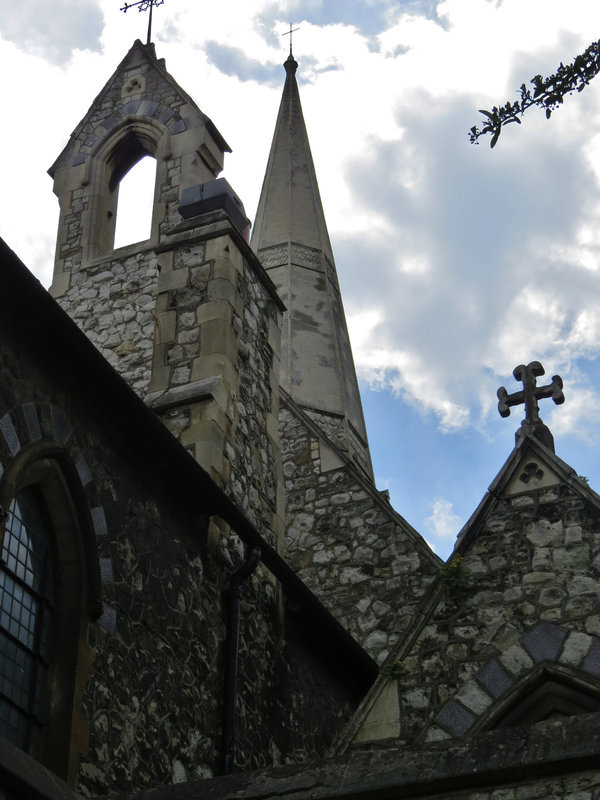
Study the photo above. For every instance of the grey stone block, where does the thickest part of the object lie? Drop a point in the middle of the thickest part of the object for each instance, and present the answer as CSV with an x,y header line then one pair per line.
x,y
166,115
455,718
10,435
108,620
131,107
493,678
99,521
591,663
151,106
83,470
544,642
106,570
31,420
178,127
61,425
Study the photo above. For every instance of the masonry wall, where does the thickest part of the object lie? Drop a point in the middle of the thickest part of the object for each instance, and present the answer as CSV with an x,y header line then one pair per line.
x,y
554,760
113,302
518,607
215,363
153,698
362,560
195,314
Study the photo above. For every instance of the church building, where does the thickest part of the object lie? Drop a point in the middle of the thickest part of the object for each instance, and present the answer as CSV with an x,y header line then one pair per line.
x,y
202,592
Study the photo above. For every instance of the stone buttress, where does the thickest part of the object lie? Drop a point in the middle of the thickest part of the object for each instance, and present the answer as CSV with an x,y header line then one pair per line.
x,y
188,317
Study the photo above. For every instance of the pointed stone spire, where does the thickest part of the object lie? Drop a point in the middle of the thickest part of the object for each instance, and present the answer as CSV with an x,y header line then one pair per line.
x,y
291,239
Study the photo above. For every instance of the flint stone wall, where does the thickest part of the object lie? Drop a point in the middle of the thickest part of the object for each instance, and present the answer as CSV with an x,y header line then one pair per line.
x,y
153,700
113,302
362,560
548,761
530,597
217,323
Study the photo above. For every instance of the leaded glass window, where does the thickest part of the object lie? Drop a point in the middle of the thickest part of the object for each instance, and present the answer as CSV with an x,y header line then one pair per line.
x,y
25,619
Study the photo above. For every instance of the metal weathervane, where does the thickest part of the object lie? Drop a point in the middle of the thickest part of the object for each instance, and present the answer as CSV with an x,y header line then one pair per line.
x,y
289,33
144,5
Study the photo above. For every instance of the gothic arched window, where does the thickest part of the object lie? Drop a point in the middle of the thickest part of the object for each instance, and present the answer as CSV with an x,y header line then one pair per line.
x,y
49,590
26,602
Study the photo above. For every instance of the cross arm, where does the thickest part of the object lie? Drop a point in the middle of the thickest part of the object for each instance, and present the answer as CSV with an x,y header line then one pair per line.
x,y
553,390
506,400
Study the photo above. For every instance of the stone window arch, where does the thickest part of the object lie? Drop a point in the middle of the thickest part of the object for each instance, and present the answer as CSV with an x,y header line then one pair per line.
x,y
49,589
551,692
550,671
125,146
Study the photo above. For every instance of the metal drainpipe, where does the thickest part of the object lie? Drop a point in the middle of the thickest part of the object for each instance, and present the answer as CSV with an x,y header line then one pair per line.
x,y
231,658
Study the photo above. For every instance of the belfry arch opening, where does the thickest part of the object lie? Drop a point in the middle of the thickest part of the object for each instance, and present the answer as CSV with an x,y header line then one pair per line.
x,y
135,202
124,171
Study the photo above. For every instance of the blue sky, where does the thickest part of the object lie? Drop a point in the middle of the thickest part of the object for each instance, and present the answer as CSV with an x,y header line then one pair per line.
x,y
456,262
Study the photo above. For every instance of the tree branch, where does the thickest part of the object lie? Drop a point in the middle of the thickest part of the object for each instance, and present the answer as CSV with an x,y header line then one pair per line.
x,y
547,93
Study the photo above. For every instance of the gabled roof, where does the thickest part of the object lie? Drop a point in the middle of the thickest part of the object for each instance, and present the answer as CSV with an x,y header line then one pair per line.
x,y
514,478
140,55
506,606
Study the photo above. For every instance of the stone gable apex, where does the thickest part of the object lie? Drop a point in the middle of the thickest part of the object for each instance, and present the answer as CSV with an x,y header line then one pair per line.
x,y
530,466
525,570
128,93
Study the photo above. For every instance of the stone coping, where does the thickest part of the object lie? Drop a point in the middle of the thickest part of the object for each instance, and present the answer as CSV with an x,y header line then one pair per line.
x,y
495,759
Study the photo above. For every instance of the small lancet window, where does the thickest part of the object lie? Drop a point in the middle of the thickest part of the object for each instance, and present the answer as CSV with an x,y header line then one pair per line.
x,y
135,203
26,609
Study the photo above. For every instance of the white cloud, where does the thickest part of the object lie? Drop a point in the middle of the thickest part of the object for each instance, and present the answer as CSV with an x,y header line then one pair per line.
x,y
443,522
456,262
579,416
52,33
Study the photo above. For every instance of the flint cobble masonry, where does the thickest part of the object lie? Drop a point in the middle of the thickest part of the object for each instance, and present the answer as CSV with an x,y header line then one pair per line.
x,y
151,707
530,599
113,303
346,542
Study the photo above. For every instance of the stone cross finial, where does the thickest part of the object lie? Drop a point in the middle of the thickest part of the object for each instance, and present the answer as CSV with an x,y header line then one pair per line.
x,y
144,5
289,33
529,396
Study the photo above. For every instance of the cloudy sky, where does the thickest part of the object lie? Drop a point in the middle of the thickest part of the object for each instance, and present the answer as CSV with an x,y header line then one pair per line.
x,y
456,262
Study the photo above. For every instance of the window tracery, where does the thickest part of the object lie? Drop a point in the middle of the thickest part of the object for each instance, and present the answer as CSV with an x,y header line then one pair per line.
x,y
26,597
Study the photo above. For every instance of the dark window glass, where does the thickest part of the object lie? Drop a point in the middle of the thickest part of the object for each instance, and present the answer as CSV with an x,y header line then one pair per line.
x,y
25,619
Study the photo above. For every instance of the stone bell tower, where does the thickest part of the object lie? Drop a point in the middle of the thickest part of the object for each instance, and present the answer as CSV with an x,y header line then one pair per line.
x,y
188,317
